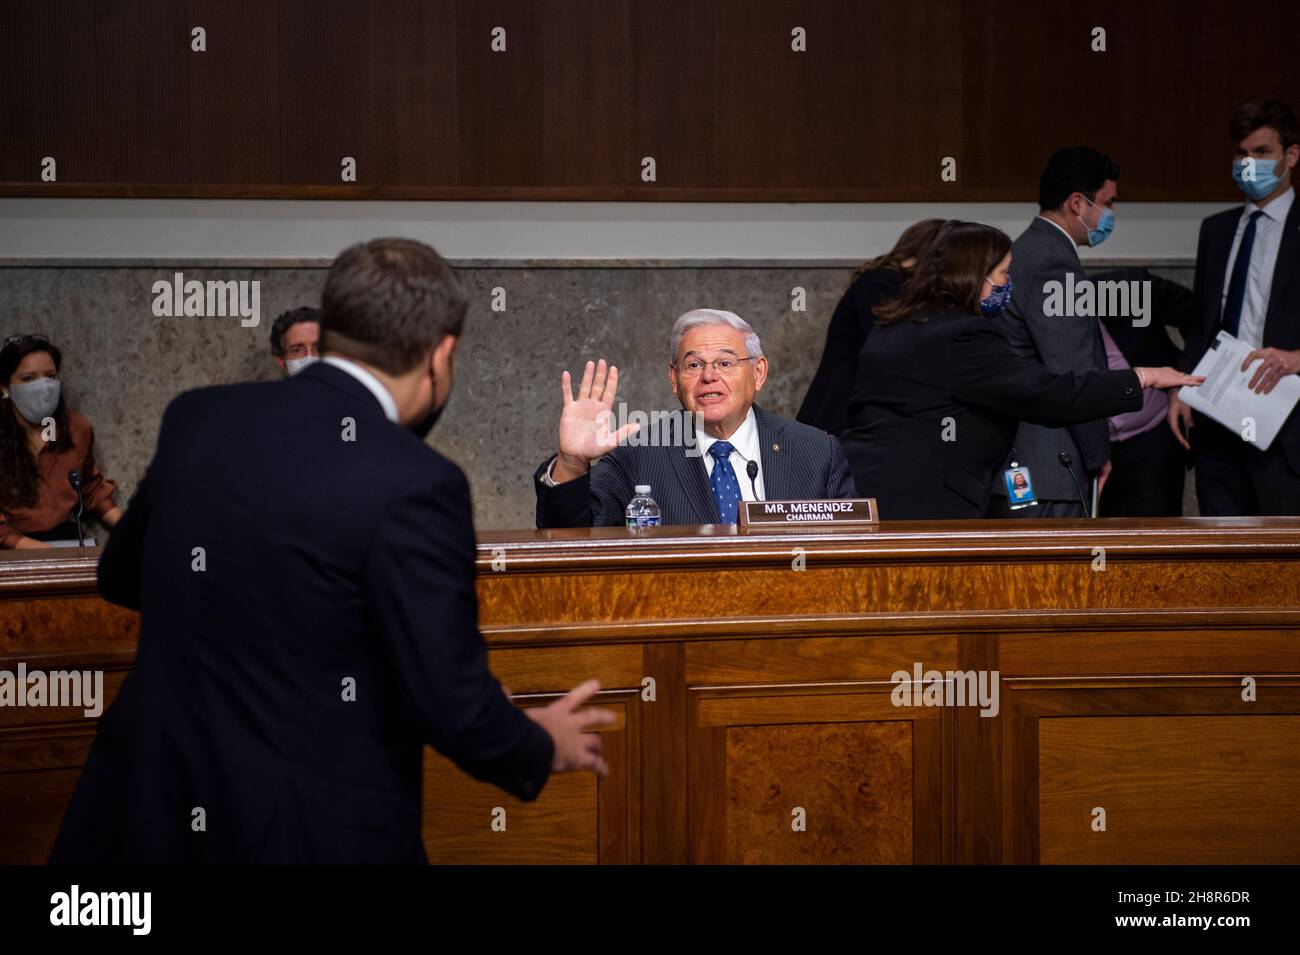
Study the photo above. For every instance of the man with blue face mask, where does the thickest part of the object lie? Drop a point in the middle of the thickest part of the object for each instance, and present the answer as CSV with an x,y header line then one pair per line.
x,y
1076,198
1246,260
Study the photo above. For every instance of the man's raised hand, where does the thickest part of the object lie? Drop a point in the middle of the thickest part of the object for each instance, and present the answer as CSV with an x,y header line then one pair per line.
x,y
586,421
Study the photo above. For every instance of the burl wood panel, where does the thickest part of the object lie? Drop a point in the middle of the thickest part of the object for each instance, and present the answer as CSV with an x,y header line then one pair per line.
x,y
851,784
1175,789
872,779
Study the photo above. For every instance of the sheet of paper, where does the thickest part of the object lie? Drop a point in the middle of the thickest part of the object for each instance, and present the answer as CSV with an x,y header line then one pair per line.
x,y
1227,398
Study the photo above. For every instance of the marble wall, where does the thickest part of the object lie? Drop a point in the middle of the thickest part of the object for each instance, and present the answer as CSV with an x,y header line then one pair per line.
x,y
122,364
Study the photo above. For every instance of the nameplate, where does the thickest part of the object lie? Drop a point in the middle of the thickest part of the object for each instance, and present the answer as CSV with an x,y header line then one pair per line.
x,y
769,515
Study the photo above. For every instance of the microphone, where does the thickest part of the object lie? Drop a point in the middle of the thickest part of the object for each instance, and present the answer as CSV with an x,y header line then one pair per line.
x,y
74,478
752,470
1064,458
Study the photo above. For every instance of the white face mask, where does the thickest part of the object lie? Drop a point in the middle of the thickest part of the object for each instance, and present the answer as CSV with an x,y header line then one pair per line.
x,y
295,365
36,400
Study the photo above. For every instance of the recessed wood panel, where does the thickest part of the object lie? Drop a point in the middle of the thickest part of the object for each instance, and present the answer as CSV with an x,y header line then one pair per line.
x,y
577,819
867,781
1181,790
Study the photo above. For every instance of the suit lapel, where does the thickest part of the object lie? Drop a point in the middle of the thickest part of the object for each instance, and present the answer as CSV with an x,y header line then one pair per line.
x,y
1218,275
694,480
1288,260
775,458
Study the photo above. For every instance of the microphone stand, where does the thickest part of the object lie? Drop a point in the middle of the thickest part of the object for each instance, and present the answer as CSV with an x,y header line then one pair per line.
x,y
74,478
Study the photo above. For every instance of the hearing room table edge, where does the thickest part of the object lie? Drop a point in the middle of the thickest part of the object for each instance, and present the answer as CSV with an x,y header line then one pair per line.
x,y
1148,705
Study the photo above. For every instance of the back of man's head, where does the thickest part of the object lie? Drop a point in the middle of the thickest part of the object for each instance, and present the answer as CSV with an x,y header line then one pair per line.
x,y
1074,169
388,301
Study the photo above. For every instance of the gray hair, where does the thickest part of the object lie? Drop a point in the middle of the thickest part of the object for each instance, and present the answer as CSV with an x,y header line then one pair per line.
x,y
704,317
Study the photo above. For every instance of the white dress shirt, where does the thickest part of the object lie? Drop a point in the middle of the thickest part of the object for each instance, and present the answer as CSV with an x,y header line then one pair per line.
x,y
373,384
745,449
1263,259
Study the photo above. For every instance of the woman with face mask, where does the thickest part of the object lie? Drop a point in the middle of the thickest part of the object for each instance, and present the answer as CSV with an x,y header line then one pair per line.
x,y
940,390
41,441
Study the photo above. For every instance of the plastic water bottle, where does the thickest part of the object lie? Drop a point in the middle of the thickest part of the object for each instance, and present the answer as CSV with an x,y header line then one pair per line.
x,y
642,511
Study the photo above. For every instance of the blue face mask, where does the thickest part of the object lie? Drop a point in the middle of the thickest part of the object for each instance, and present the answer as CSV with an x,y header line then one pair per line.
x,y
1105,225
1264,178
997,300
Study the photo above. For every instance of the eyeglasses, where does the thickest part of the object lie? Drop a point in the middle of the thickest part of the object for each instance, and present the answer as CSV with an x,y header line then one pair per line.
x,y
723,366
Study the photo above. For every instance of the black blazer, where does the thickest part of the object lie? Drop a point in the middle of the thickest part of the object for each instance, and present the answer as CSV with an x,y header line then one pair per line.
x,y
826,406
1281,322
798,463
334,569
936,409
1149,346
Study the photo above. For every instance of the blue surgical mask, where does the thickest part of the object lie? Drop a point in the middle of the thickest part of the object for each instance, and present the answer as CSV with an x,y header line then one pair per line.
x,y
1105,225
997,300
1264,178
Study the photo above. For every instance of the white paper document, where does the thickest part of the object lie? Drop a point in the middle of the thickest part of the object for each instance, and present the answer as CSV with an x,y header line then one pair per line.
x,y
1226,396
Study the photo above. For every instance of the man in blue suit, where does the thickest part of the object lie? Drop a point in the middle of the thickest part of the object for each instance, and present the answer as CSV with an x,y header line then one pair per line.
x,y
304,567
697,475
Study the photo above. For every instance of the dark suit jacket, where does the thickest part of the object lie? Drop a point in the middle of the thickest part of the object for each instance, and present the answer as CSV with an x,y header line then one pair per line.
x,y
330,565
1281,322
826,406
798,463
1149,346
936,411
1044,254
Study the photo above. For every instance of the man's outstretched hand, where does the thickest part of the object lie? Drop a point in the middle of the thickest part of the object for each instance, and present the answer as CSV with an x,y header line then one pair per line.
x,y
586,420
575,747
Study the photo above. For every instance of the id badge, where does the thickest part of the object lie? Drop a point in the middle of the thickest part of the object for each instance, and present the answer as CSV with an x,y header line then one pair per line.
x,y
1020,487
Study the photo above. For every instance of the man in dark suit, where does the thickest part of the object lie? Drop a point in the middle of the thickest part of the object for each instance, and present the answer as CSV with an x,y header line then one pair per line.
x,y
1247,260
1148,467
1076,196
304,569
698,474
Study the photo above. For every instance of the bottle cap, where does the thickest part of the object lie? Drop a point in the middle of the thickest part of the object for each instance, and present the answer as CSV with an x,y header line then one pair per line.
x,y
643,488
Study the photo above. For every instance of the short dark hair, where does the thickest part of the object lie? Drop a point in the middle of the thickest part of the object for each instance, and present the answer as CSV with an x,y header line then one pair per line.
x,y
1074,169
388,301
1258,113
286,321
950,273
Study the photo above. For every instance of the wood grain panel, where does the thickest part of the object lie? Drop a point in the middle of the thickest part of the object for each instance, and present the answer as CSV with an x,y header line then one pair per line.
x,y
871,778
1182,790
501,99
234,131
412,113
586,46
141,92
324,91
1145,754
47,91
576,819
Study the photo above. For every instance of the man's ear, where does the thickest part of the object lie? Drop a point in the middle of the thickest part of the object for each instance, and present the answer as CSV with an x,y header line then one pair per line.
x,y
760,373
672,378
442,352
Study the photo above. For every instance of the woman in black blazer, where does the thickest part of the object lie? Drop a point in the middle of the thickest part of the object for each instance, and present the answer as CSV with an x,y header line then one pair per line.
x,y
878,280
940,390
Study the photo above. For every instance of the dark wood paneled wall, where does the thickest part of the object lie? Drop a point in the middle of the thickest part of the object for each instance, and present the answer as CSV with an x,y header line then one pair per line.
x,y
1120,690
586,88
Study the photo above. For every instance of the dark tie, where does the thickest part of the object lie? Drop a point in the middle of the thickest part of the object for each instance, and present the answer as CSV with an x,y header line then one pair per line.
x,y
1237,285
726,489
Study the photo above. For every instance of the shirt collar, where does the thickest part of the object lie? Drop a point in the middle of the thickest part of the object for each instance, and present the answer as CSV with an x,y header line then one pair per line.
x,y
745,440
1276,210
373,384
1061,229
